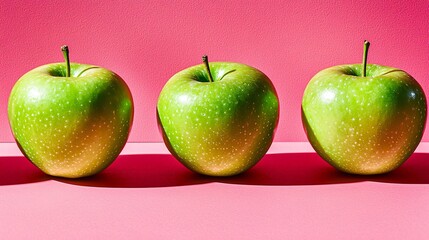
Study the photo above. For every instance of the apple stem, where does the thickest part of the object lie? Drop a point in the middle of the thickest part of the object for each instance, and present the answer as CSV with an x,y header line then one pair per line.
x,y
65,50
365,57
206,63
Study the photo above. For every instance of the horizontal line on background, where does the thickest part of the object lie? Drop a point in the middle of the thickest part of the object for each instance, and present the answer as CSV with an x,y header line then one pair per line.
x,y
11,149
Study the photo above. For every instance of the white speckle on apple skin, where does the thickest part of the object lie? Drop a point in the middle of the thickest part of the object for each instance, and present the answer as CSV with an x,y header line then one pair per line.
x,y
70,127
375,124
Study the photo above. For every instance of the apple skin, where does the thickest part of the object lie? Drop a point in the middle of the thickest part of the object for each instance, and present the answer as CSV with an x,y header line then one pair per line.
x,y
364,125
218,128
70,126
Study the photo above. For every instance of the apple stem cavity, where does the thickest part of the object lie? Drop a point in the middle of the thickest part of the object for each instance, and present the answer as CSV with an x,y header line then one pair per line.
x,y
65,50
206,63
365,57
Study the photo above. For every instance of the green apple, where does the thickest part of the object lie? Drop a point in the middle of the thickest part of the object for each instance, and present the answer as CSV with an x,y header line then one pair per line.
x,y
70,120
364,119
218,119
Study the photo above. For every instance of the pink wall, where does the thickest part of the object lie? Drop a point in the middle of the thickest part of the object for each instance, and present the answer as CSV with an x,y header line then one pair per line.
x,y
146,42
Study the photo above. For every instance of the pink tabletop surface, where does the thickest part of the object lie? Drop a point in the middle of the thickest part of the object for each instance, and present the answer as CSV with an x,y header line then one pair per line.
x,y
289,195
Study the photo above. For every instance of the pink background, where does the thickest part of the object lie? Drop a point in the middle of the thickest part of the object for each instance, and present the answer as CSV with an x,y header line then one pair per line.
x,y
146,42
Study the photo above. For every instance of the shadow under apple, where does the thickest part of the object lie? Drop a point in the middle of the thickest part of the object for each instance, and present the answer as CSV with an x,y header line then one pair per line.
x,y
140,171
144,171
19,170
311,169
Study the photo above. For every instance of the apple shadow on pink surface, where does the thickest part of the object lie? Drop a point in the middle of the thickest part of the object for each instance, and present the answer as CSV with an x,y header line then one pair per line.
x,y
145,171
19,170
310,169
